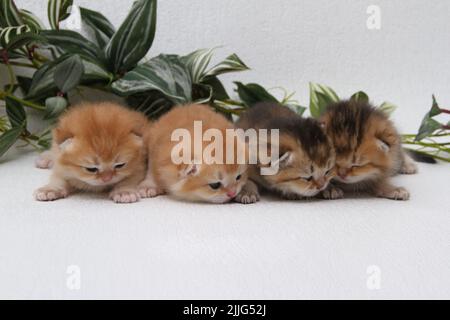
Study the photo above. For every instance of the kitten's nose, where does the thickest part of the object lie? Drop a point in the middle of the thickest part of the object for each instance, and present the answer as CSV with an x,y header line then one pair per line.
x,y
342,172
231,193
320,183
106,176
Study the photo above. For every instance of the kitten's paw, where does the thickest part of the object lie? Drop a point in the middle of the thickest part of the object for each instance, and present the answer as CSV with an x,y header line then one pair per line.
x,y
408,167
44,160
149,192
293,196
399,193
122,196
50,194
247,197
332,193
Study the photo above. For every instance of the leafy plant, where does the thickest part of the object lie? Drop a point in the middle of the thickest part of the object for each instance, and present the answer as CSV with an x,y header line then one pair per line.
x,y
63,61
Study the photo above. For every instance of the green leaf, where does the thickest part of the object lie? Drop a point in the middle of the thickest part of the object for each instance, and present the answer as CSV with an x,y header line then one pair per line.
x,y
71,42
9,33
219,91
54,107
360,96
16,113
429,125
8,138
24,84
387,107
101,27
68,73
43,84
319,97
57,11
134,38
253,93
23,39
164,73
31,20
197,62
231,64
435,109
9,15
151,103
300,110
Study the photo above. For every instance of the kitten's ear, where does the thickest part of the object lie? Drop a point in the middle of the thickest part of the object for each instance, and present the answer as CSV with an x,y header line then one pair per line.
x,y
383,146
191,169
62,137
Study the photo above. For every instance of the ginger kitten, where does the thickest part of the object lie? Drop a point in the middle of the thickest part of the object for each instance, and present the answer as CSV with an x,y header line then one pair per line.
x,y
368,149
205,181
96,147
306,162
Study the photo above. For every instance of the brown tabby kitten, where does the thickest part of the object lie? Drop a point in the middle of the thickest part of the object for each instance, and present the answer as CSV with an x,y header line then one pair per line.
x,y
306,162
96,147
368,149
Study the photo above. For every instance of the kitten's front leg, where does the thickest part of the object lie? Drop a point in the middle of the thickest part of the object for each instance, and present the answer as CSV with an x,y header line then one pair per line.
x,y
57,188
149,188
248,194
44,160
126,190
408,165
332,192
386,190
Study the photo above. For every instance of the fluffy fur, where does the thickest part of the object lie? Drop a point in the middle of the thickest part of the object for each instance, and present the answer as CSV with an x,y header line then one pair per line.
x,y
96,147
306,163
368,149
192,182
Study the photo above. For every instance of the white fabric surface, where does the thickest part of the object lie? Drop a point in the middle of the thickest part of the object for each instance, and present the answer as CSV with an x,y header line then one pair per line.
x,y
162,248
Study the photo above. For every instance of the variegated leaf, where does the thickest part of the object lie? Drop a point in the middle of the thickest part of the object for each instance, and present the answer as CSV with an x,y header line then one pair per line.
x,y
9,33
231,64
31,20
9,14
164,73
57,11
320,96
387,107
100,26
71,42
134,38
197,62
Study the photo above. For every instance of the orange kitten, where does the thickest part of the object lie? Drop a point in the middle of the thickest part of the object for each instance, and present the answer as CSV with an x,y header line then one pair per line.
x,y
207,182
96,147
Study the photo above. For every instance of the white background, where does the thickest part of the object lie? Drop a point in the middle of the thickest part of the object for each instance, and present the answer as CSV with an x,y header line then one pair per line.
x,y
161,248
291,42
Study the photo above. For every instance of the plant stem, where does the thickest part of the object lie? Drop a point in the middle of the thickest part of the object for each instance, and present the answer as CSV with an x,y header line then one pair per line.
x,y
24,102
432,155
12,78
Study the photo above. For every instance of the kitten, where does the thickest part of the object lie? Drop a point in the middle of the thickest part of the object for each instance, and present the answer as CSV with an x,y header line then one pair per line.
x,y
216,183
96,147
368,149
306,162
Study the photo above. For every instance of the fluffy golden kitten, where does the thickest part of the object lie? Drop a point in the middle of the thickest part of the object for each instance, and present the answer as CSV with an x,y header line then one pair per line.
x,y
216,183
96,147
368,149
306,161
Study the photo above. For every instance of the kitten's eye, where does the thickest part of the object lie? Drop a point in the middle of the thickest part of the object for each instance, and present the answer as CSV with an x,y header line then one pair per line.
x,y
328,171
91,169
119,165
238,177
307,178
215,185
